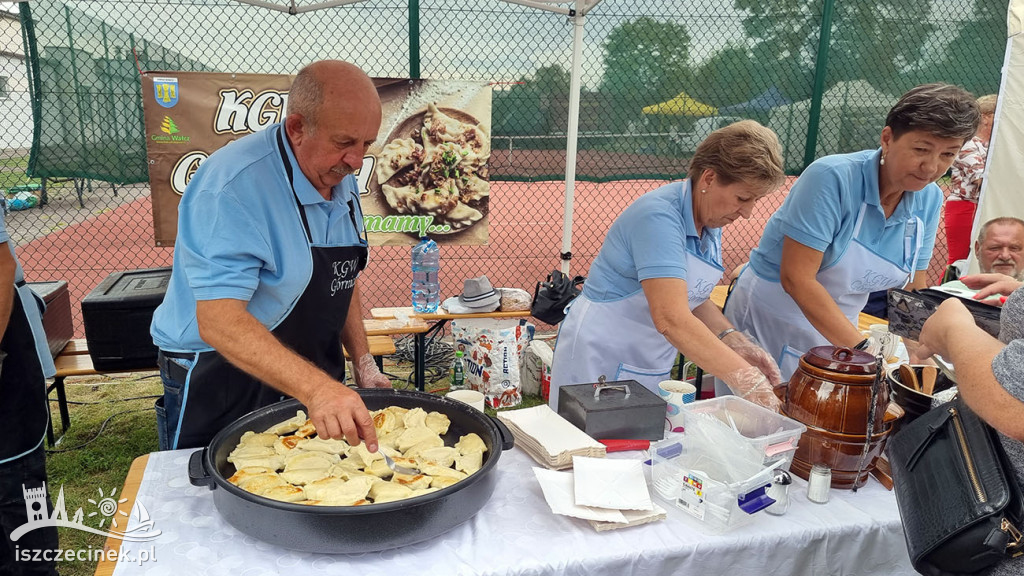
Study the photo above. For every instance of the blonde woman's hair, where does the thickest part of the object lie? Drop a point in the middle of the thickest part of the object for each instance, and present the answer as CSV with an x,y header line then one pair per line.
x,y
743,151
987,104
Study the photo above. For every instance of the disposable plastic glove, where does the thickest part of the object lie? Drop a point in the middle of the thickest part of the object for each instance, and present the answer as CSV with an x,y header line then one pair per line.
x,y
755,356
750,384
367,374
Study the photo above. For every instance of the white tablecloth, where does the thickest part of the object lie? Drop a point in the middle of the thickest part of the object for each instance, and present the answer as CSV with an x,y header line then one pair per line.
x,y
515,533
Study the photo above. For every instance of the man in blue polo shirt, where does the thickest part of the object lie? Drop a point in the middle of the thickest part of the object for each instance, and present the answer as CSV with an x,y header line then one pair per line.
x,y
264,287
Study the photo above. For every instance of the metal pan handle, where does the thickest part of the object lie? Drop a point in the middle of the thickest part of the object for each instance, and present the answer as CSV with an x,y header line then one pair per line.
x,y
197,473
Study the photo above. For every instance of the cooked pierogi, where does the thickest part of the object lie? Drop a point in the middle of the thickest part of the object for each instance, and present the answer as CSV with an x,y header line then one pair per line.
x,y
289,463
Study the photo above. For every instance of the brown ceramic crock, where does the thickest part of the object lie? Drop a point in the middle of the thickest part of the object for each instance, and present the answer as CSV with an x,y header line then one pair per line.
x,y
831,390
840,452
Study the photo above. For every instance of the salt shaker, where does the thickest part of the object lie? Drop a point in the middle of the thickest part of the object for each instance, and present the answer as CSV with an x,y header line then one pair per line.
x,y
779,491
818,483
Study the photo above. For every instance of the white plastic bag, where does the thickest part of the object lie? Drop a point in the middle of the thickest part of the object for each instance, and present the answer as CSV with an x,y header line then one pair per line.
x,y
536,376
493,350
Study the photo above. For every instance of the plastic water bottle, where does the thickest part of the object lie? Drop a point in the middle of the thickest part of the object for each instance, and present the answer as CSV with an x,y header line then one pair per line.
x,y
426,288
457,373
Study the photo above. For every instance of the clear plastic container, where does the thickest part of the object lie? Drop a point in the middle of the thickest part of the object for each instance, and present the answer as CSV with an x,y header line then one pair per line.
x,y
771,435
426,287
714,485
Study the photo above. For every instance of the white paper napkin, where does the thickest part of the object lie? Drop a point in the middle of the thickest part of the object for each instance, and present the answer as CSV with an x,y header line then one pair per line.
x,y
558,492
554,433
607,483
633,518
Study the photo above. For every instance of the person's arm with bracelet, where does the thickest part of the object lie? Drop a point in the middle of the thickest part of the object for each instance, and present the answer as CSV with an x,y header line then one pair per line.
x,y
952,333
711,315
335,409
672,318
798,274
353,337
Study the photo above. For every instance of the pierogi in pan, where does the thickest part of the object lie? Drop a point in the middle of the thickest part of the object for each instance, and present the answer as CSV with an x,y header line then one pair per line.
x,y
289,463
435,163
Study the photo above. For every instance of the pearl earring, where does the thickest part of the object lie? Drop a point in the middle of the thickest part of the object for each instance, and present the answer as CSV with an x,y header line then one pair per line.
x,y
703,191
882,161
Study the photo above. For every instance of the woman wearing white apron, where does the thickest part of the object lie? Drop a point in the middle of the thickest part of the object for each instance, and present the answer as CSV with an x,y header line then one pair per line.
x,y
646,295
851,225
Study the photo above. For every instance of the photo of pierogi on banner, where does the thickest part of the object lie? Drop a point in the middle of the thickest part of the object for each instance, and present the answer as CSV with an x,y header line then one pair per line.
x,y
426,174
431,170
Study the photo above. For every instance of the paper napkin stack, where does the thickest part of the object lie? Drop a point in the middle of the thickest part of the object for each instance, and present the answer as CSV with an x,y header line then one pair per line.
x,y
607,493
548,438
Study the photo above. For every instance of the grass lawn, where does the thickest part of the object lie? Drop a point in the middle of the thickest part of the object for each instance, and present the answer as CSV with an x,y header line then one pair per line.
x,y
113,422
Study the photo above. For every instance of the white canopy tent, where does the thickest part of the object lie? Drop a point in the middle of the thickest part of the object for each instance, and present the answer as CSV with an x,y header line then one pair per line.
x,y
1001,189
576,11
292,7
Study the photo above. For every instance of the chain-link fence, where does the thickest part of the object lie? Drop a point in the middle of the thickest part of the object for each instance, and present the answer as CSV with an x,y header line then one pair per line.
x,y
657,76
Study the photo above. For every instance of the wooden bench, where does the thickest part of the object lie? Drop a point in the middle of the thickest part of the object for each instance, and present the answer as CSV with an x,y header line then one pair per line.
x,y
74,360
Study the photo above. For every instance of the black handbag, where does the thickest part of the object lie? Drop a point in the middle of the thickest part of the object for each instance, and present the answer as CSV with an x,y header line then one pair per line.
x,y
957,493
908,311
551,296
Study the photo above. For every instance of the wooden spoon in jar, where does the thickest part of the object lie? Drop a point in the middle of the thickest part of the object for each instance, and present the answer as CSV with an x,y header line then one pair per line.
x,y
928,376
909,378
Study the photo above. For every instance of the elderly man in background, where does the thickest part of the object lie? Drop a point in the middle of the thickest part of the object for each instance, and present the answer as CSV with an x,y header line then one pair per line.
x,y
999,249
264,288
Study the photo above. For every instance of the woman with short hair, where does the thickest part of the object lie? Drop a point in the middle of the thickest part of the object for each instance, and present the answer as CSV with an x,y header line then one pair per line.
x,y
851,225
647,294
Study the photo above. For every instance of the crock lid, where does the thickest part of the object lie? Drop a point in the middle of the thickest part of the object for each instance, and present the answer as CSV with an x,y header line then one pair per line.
x,y
842,360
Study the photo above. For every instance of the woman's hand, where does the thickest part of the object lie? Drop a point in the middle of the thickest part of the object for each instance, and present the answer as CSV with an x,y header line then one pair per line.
x,y
948,320
991,284
755,355
750,384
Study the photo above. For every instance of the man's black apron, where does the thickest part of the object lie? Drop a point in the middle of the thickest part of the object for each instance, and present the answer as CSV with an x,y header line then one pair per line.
x,y
24,410
217,392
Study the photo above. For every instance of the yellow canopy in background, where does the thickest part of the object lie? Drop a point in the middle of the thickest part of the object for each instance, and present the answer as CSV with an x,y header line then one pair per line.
x,y
681,105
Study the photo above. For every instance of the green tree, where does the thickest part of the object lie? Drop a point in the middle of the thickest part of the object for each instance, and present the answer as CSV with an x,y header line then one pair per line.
x,y
875,40
973,59
534,105
879,41
646,62
729,76
784,36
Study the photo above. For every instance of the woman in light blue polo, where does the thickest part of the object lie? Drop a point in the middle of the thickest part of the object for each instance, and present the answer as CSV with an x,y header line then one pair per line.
x,y
853,224
646,296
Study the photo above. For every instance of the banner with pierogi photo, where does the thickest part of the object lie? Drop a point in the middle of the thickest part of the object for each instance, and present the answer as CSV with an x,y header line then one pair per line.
x,y
426,175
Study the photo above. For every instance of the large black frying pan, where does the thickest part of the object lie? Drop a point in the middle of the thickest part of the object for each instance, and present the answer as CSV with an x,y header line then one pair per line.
x,y
352,529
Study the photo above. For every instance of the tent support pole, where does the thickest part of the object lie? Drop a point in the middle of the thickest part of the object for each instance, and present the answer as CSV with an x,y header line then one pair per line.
x,y
572,132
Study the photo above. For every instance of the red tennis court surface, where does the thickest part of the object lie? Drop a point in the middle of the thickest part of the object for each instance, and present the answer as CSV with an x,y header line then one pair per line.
x,y
525,239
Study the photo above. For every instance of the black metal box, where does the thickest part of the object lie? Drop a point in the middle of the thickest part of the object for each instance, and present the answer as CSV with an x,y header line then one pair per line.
x,y
621,409
57,322
117,314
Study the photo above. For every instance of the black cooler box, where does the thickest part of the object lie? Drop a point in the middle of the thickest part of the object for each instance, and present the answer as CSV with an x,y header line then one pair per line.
x,y
57,321
117,314
609,410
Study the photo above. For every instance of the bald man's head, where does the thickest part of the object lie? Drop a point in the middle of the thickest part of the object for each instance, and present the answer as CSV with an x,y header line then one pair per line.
x,y
334,115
